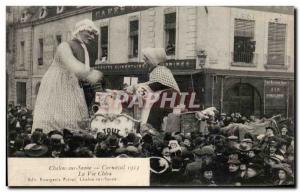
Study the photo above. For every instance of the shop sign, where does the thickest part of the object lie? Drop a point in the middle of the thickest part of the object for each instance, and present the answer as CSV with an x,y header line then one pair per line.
x,y
112,11
275,92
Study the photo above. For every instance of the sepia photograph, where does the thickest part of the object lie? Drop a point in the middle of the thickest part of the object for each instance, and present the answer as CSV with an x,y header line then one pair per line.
x,y
150,96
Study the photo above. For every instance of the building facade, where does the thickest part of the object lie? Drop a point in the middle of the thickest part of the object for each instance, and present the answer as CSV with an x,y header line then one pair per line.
x,y
237,59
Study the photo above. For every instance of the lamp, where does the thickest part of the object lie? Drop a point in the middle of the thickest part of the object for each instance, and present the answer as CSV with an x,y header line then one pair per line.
x,y
201,58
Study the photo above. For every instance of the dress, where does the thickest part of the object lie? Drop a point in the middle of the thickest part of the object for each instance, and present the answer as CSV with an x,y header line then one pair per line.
x,y
60,103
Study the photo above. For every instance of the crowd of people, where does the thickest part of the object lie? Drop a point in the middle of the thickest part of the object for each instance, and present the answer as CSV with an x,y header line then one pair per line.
x,y
195,158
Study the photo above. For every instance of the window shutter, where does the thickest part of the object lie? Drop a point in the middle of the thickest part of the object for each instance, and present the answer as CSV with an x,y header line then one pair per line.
x,y
244,28
276,43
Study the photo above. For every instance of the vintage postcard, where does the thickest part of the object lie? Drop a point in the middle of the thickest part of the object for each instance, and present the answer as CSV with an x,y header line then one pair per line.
x,y
145,96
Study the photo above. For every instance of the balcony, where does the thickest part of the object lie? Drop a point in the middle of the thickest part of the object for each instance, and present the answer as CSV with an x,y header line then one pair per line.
x,y
244,59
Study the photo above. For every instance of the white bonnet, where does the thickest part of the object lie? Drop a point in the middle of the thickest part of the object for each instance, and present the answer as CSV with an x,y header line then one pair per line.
x,y
155,55
85,24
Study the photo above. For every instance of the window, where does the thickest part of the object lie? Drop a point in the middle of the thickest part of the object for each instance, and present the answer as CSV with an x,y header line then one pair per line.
x,y
58,39
24,16
40,52
170,33
37,87
22,53
244,44
7,40
134,38
59,9
103,43
129,81
43,12
21,93
276,44
8,9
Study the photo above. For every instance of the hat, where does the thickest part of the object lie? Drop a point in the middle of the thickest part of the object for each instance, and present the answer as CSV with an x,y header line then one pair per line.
x,y
248,140
273,143
243,147
67,133
85,24
56,136
132,139
122,156
286,168
155,55
54,132
132,151
206,150
270,128
101,136
255,166
207,167
233,159
112,141
277,158
256,149
232,137
174,146
35,150
83,152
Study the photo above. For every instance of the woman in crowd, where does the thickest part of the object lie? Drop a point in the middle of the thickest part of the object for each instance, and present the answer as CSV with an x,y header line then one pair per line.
x,y
61,102
284,175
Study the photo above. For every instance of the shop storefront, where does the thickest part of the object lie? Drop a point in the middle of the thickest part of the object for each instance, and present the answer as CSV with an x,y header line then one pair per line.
x,y
249,93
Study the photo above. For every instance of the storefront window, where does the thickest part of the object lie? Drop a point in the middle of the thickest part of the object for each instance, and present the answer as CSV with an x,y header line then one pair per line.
x,y
129,81
276,44
134,38
170,33
244,44
21,93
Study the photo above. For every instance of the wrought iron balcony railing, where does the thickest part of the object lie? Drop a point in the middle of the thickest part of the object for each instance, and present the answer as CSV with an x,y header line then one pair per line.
x,y
241,58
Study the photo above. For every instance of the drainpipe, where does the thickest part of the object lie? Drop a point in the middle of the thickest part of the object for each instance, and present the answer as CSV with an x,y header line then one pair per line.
x,y
31,62
264,97
212,90
221,94
287,99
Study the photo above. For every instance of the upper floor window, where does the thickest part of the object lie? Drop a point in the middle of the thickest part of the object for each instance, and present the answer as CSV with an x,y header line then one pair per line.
x,y
170,33
59,9
24,16
133,38
58,39
244,44
40,52
43,12
103,44
276,44
22,53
